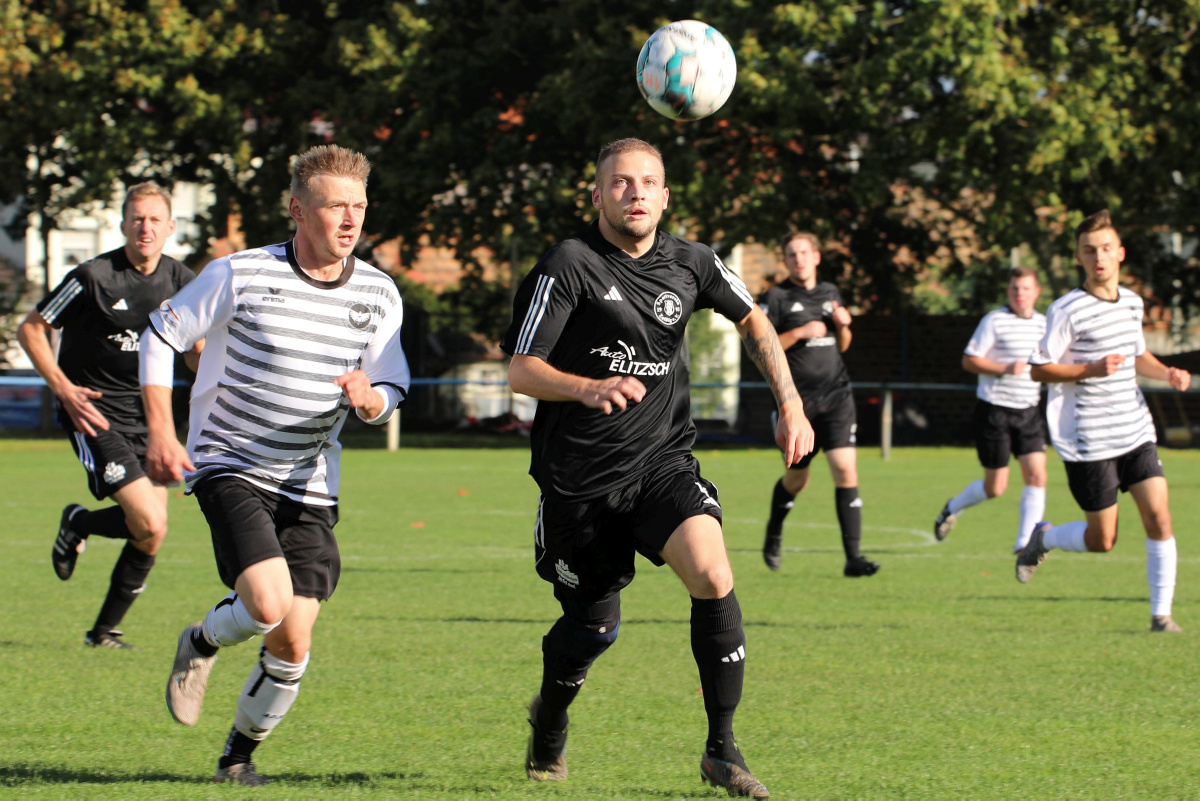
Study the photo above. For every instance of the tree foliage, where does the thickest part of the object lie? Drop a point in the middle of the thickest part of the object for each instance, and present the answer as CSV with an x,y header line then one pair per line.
x,y
923,140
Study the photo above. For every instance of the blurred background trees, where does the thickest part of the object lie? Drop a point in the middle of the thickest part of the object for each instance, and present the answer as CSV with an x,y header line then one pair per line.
x,y
928,143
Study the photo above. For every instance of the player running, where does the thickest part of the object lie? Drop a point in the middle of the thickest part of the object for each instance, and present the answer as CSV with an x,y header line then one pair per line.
x,y
1091,355
1007,418
598,337
814,330
299,333
101,307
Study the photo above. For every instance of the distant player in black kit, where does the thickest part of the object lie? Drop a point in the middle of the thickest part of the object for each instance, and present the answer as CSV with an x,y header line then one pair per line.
x,y
598,336
814,330
102,307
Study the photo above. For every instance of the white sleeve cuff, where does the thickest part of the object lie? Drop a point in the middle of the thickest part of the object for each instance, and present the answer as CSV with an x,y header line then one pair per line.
x,y
156,361
391,399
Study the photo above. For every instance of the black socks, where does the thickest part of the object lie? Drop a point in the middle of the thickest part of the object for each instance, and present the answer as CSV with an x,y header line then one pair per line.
x,y
781,503
849,514
238,749
109,523
719,647
128,580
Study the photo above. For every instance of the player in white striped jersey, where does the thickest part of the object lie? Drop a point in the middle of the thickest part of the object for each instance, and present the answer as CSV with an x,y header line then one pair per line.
x,y
1091,355
1007,419
298,334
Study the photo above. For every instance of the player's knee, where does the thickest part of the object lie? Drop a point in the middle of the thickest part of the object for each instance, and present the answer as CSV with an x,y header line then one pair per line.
x,y
994,489
148,526
269,608
712,582
1099,540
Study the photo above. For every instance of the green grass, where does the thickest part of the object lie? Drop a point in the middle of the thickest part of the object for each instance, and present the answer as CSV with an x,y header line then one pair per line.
x,y
940,677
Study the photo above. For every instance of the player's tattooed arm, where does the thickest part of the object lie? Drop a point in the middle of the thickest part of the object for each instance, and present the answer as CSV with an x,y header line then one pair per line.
x,y
793,433
763,346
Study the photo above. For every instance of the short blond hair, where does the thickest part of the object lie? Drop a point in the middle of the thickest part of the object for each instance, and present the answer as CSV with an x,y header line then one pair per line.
x,y
144,190
327,160
791,236
625,146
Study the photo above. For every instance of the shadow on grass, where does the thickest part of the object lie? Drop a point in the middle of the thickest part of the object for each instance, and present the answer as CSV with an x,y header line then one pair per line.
x,y
18,775
750,624
1052,598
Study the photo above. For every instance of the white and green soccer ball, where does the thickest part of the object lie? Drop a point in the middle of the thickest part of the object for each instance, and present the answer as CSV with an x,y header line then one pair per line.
x,y
686,70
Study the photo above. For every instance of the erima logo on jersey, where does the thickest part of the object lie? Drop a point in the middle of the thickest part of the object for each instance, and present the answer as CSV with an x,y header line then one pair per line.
x,y
129,341
113,473
613,294
121,305
566,576
797,306
622,361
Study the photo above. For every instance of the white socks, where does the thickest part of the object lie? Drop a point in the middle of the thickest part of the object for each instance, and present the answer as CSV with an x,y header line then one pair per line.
x,y
1067,537
230,622
1033,509
973,494
269,693
1161,559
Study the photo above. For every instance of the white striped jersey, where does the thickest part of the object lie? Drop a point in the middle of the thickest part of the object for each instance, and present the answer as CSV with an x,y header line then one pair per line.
x,y
590,309
264,405
1006,337
1096,418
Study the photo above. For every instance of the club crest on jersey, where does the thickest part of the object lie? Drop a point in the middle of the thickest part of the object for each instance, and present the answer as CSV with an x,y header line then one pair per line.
x,y
827,307
360,316
668,308
623,361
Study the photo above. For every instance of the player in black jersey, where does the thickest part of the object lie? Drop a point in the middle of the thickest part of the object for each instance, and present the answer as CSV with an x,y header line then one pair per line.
x,y
102,307
598,337
814,329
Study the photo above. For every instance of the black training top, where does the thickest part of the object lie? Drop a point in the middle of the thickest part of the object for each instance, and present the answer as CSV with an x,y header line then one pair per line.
x,y
590,309
816,365
102,307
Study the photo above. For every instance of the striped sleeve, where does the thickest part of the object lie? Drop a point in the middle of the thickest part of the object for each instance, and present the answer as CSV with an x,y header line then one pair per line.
x,y
202,305
544,303
723,290
66,301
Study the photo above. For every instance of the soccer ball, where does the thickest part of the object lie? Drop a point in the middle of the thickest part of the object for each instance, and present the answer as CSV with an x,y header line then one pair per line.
x,y
686,70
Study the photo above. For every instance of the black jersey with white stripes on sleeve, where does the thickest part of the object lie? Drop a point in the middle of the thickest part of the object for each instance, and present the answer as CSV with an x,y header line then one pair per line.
x,y
101,307
590,309
264,406
1095,418
1006,337
816,364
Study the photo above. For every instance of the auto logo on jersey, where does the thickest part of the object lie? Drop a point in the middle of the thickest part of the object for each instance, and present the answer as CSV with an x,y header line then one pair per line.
x,y
668,308
624,361
129,341
360,316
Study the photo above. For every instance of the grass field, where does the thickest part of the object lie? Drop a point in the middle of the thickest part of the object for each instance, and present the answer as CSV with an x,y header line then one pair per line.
x,y
940,677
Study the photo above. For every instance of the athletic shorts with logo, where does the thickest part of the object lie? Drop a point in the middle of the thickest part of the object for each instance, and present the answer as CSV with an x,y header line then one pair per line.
x,y
586,548
834,419
1001,432
1094,484
251,524
112,459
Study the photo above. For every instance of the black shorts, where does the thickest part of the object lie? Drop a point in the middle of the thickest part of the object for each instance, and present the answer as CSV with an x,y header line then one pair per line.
x,y
586,548
1001,432
250,525
835,424
1094,484
112,459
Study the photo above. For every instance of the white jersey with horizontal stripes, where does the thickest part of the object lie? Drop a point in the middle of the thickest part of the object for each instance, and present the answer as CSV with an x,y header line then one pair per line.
x,y
264,406
1095,418
1004,336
